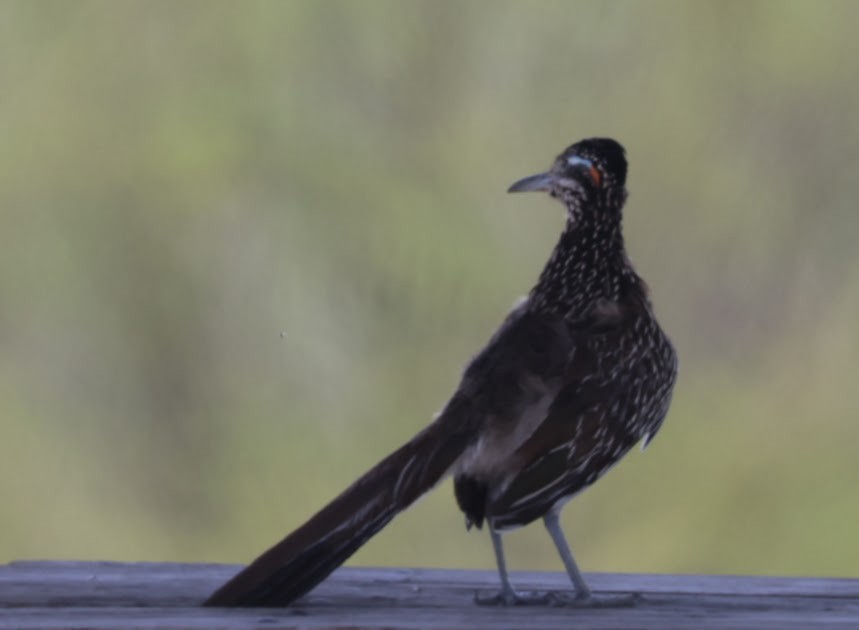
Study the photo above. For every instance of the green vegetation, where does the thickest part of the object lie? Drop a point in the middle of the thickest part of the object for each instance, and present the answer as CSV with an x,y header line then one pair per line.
x,y
180,182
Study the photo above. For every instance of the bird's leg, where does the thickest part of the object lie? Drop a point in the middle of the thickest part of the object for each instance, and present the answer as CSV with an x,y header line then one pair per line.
x,y
583,596
553,525
507,596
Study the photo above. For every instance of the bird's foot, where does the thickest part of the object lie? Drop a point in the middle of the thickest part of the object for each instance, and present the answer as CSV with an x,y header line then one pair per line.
x,y
509,597
590,600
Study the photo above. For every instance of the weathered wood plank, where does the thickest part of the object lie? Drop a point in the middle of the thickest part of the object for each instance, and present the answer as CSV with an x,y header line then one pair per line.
x,y
502,619
167,595
95,583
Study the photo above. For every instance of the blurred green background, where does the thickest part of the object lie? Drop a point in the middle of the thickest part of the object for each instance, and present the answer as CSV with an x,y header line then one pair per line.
x,y
181,182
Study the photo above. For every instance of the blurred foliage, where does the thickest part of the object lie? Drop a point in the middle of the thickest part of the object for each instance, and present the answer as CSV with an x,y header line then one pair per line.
x,y
181,182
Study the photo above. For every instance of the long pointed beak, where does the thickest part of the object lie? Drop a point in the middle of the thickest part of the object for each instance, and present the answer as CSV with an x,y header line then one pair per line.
x,y
542,181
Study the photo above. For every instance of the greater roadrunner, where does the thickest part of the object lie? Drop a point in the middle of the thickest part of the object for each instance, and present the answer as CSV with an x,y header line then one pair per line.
x,y
577,374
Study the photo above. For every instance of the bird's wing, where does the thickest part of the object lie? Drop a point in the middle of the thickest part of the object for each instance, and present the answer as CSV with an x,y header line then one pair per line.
x,y
580,437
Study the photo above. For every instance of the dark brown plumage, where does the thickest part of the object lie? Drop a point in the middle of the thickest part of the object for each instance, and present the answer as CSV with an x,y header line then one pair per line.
x,y
578,373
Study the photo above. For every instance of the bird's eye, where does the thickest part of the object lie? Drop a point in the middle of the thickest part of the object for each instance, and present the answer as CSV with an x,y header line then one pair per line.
x,y
593,171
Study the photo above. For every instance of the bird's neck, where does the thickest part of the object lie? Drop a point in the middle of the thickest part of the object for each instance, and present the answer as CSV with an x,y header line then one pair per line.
x,y
587,267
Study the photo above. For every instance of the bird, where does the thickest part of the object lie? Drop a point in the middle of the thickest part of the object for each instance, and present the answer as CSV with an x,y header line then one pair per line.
x,y
577,374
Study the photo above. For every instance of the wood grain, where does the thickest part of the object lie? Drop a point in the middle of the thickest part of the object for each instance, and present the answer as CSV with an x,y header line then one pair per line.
x,y
160,596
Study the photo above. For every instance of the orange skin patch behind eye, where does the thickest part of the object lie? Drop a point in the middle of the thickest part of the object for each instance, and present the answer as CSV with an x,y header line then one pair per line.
x,y
595,175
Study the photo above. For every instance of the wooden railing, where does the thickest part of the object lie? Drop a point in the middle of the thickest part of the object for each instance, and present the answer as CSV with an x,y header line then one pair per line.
x,y
158,596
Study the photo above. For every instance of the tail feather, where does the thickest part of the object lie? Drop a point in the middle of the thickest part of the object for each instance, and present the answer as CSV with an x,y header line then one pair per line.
x,y
310,553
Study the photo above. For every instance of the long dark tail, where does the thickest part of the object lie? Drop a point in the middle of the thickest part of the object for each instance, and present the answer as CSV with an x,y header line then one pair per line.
x,y
309,554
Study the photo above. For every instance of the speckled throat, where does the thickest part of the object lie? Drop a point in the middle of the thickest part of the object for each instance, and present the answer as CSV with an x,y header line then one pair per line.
x,y
587,267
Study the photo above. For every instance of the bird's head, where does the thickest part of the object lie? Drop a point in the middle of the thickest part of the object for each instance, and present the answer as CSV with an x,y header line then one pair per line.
x,y
590,173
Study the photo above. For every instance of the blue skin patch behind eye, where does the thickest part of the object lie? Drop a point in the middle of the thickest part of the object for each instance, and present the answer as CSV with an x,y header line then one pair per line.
x,y
575,159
